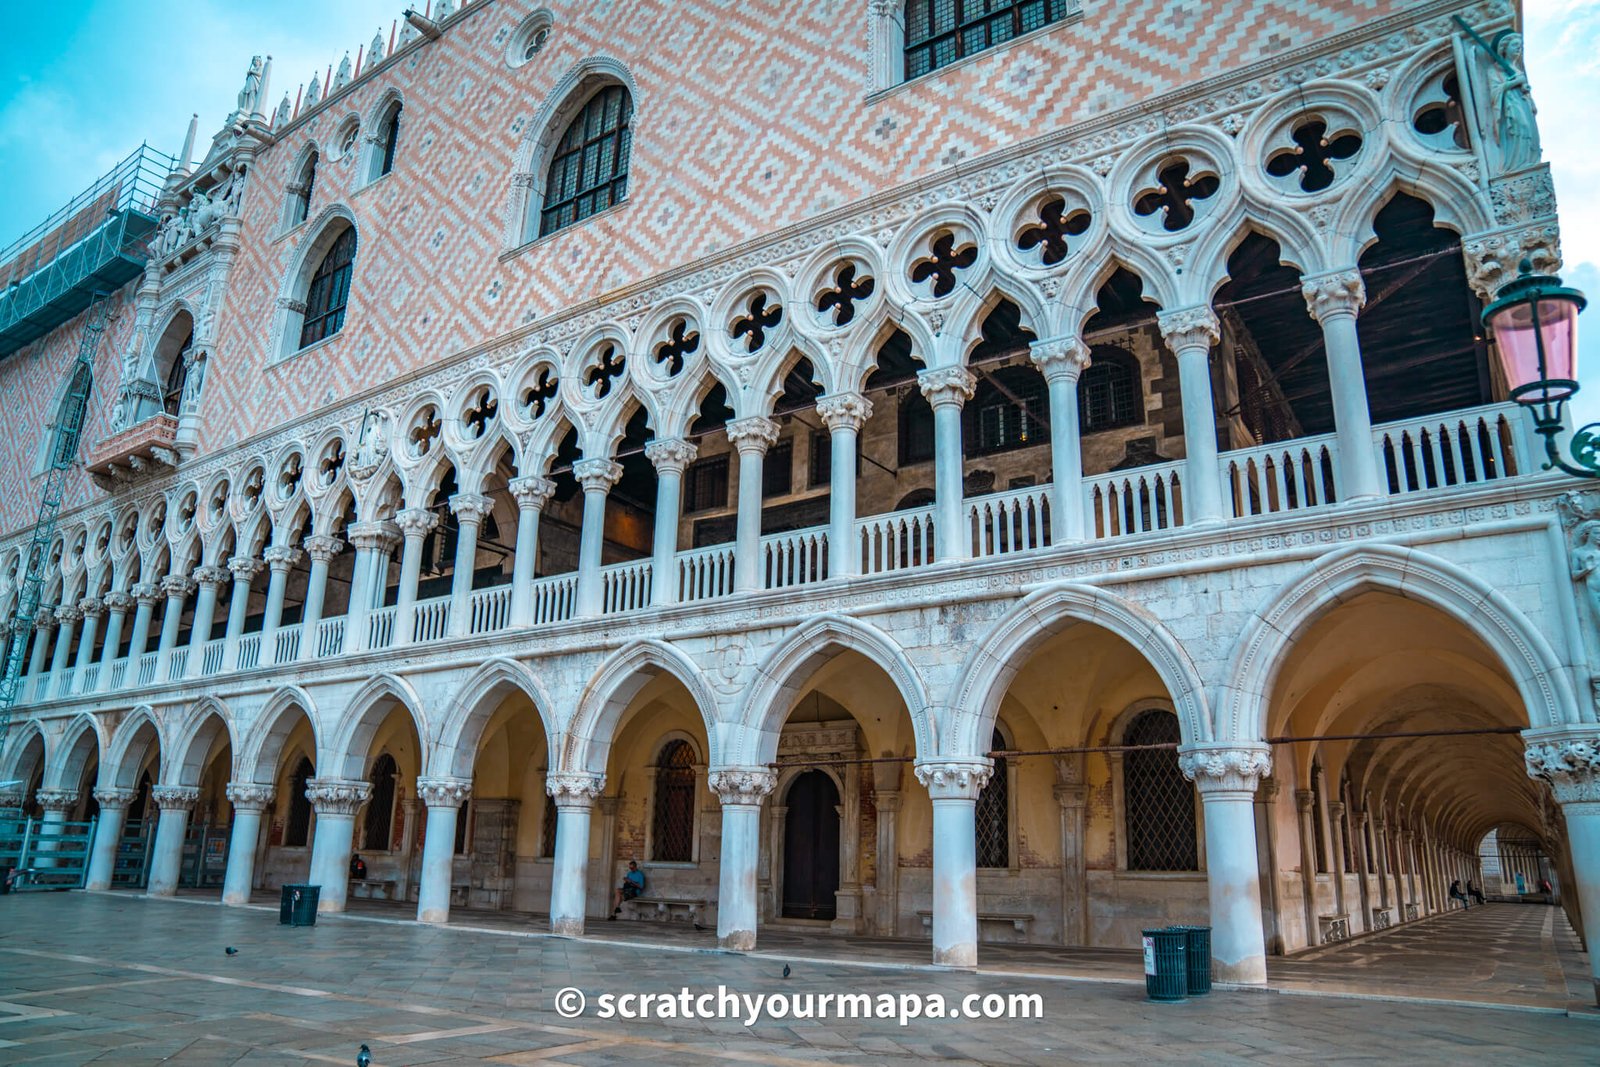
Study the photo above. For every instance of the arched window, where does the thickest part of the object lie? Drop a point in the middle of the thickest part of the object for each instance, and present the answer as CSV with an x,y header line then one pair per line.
x,y
994,813
330,290
380,810
297,828
1110,393
672,828
939,32
589,171
388,140
300,192
1158,800
1010,409
60,446
177,375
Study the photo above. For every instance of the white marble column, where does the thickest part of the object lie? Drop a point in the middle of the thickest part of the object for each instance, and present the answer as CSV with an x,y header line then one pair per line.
x,y
117,605
280,560
444,797
953,786
671,457
166,852
67,617
1062,360
250,800
947,390
597,476
244,571
531,493
379,540
107,835
574,797
209,580
751,437
469,510
844,414
1191,333
1227,774
1334,300
44,626
177,588
415,524
741,790
93,610
1568,760
336,801
321,548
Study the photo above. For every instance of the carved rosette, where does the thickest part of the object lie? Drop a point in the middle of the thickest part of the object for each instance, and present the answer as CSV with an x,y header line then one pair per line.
x,y
754,434
947,385
574,790
742,785
1570,764
670,454
59,800
115,798
322,547
1190,327
250,796
1339,293
416,523
532,491
844,411
470,508
955,779
281,557
599,474
337,796
444,792
244,569
1060,357
175,797
1223,767
210,575
177,586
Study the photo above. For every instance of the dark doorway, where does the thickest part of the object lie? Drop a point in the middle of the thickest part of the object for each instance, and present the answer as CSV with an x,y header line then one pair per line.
x,y
811,848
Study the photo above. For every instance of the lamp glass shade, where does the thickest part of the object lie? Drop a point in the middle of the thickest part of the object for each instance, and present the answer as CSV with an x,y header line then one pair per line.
x,y
1518,328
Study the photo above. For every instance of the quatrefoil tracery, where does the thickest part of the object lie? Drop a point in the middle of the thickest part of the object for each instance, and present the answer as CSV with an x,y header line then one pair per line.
x,y
1314,154
942,263
681,343
1053,234
537,397
847,291
607,370
1438,115
289,480
1176,194
425,431
753,326
332,462
482,413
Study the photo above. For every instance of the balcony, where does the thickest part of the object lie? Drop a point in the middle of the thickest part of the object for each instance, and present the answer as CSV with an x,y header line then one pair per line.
x,y
141,448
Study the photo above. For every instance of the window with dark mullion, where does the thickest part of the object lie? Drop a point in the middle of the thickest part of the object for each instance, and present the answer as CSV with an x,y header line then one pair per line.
x,y
590,170
777,470
939,32
330,291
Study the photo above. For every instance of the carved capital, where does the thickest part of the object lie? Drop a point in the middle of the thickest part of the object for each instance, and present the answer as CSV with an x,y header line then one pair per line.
x,y
175,797
118,601
670,454
115,798
574,790
470,508
416,522
1493,259
379,536
281,557
1338,293
947,385
337,796
599,474
754,434
1060,357
147,593
742,785
177,586
210,575
69,613
1190,327
250,796
444,792
1225,767
844,411
57,799
92,607
955,779
532,491
323,547
1569,762
11,796
244,569
45,618
1304,801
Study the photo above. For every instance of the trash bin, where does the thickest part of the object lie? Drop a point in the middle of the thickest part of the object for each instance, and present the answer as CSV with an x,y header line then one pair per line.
x,y
298,905
1166,970
1198,950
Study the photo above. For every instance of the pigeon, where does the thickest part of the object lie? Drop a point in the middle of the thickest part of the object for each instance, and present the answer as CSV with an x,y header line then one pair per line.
x,y
230,950
364,1057
786,970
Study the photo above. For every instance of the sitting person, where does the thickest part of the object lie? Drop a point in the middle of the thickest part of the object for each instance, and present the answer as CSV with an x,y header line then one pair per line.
x,y
1475,892
632,886
358,867
1457,894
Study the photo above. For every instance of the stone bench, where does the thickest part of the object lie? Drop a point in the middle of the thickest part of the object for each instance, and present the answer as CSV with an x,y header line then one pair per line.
x,y
664,909
1018,921
1382,918
1333,928
374,888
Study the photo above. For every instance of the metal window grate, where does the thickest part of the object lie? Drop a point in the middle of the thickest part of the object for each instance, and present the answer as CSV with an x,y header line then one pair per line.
x,y
1109,393
1159,800
547,830
993,814
590,170
673,826
939,32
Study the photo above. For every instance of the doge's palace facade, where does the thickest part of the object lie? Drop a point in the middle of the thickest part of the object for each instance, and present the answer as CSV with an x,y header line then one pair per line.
x,y
897,470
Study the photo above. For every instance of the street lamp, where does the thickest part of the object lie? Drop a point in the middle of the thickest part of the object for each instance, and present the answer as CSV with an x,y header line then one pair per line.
x,y
1535,326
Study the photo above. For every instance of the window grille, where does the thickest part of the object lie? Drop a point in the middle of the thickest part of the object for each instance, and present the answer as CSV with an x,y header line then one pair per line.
x,y
298,826
916,428
1158,800
547,829
673,826
1009,411
463,820
939,32
590,170
330,291
380,809
777,470
1109,393
993,815
821,463
708,483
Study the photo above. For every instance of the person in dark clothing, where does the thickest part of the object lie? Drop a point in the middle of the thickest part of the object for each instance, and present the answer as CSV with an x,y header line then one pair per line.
x,y
1475,892
1456,893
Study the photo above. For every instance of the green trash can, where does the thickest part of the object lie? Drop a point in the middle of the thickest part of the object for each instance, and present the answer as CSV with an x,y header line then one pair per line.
x,y
1198,950
298,905
1166,968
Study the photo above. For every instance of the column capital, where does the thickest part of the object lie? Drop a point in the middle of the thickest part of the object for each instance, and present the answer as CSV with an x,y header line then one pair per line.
x,y
379,535
574,789
1060,357
175,797
1338,292
670,454
176,586
754,434
323,547
1304,800
1568,760
597,473
1225,766
210,575
844,411
11,796
1190,327
955,779
118,601
943,386
56,799
470,508
69,613
245,569
45,618
92,607
742,785
1335,809
532,491
250,796
440,792
281,557
1070,794
416,522
337,796
115,798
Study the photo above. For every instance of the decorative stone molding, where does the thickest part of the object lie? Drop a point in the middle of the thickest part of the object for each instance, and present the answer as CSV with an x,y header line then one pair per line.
x,y
378,536
289,303
947,385
45,618
11,796
1190,327
115,798
599,474
250,796
245,569
532,491
670,454
177,586
1494,259
844,411
574,788
281,557
69,613
148,593
470,508
955,779
754,434
118,601
444,792
92,607
416,522
742,785
323,547
210,575
175,797
337,796
1225,766
1569,762
1060,357
59,800
1338,293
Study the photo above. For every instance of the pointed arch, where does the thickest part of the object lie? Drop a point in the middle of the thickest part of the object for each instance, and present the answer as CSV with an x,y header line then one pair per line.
x,y
258,754
586,746
455,747
193,736
129,747
346,755
314,252
22,734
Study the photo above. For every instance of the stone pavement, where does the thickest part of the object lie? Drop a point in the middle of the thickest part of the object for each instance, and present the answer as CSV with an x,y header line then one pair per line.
x,y
125,980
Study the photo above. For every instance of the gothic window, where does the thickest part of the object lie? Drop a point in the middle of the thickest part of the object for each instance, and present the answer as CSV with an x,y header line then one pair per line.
x,y
589,172
388,139
672,827
300,192
177,374
1109,391
297,827
60,446
330,290
916,428
940,32
993,814
1009,410
708,483
1158,800
380,809
777,470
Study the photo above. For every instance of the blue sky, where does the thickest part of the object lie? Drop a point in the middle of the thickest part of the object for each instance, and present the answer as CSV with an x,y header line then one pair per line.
x,y
83,82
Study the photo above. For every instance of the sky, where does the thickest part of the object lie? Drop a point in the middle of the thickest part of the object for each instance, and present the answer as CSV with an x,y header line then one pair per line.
x,y
83,82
